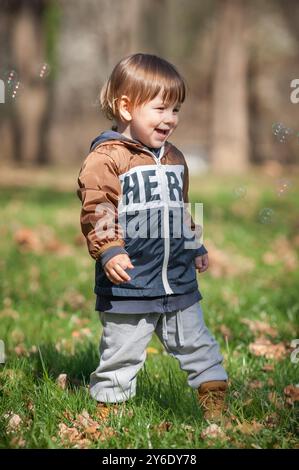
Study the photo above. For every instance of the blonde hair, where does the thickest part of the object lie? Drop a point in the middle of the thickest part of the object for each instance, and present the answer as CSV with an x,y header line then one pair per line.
x,y
141,77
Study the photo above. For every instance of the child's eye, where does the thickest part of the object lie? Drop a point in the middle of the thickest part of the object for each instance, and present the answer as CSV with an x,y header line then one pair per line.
x,y
162,109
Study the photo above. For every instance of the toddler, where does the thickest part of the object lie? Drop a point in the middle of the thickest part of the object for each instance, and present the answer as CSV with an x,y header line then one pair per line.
x,y
133,186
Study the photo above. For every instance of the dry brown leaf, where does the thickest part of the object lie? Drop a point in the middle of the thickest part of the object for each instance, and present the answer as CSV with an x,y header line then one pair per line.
x,y
21,350
71,435
17,336
257,326
12,374
263,347
268,367
226,331
14,422
272,420
224,264
74,299
84,430
75,320
275,399
18,441
28,240
165,426
270,258
247,427
287,254
255,384
9,313
62,381
292,394
248,402
213,431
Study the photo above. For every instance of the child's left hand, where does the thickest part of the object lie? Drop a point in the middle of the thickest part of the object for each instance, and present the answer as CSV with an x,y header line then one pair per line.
x,y
202,263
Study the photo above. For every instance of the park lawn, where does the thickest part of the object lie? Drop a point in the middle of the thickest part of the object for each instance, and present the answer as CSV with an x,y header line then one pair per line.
x,y
49,325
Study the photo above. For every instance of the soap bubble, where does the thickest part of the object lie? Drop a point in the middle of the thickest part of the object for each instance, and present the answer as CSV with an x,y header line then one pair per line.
x,y
44,70
240,192
11,78
281,132
283,185
277,127
266,215
13,84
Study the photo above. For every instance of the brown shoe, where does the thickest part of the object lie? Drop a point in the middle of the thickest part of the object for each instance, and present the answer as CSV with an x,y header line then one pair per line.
x,y
211,396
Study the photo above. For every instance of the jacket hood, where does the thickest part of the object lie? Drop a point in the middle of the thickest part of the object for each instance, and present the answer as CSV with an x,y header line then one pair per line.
x,y
109,135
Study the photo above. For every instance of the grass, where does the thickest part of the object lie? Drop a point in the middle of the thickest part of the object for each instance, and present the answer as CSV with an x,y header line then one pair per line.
x,y
49,325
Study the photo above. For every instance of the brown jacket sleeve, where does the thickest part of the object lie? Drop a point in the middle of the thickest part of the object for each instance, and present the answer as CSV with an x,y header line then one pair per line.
x,y
99,191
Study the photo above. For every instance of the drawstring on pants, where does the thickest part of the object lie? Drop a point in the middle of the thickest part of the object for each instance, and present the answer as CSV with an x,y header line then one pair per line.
x,y
179,326
164,328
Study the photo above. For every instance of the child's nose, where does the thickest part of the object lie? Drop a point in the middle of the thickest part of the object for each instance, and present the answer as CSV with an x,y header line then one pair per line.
x,y
170,118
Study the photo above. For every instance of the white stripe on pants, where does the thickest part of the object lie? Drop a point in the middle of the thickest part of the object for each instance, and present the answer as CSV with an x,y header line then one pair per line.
x,y
123,350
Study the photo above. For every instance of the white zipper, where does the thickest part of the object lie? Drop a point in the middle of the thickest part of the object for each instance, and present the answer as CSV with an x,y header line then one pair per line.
x,y
166,285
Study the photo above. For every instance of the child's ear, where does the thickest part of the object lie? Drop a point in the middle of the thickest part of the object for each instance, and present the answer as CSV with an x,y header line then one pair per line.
x,y
125,108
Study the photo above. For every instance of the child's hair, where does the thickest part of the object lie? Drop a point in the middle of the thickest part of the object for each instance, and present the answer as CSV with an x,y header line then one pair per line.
x,y
141,77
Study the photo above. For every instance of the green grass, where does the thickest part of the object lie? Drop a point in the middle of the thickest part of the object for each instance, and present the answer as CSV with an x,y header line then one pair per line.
x,y
45,297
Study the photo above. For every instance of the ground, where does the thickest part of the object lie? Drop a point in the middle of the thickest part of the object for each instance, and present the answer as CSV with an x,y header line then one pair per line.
x,y
49,326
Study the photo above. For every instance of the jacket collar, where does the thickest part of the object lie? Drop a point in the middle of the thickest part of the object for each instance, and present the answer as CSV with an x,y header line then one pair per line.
x,y
114,137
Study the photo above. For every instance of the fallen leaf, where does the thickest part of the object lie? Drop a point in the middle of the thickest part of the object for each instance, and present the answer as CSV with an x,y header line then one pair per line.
x,y
226,331
248,402
270,258
21,350
255,384
263,347
62,381
247,427
83,430
224,264
292,394
257,326
18,441
14,422
275,399
272,420
268,367
165,426
213,431
9,313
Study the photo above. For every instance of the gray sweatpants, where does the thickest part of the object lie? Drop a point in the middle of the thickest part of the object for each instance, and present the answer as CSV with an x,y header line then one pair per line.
x,y
123,350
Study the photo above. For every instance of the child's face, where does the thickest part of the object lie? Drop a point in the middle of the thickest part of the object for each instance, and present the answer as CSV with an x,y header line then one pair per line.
x,y
152,123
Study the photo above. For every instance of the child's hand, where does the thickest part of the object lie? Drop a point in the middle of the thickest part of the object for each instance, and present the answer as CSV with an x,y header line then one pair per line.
x,y
115,269
202,263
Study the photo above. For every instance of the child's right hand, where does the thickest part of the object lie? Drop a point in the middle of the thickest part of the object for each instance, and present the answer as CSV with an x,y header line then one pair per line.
x,y
115,268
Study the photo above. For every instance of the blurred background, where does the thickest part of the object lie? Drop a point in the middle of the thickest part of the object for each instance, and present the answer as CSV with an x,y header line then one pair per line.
x,y
239,59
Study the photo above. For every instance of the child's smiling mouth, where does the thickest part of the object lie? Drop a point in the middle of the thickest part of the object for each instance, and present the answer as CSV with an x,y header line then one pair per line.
x,y
162,132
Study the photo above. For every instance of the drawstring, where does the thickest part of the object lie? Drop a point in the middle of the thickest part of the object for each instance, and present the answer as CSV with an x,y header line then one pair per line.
x,y
164,328
179,326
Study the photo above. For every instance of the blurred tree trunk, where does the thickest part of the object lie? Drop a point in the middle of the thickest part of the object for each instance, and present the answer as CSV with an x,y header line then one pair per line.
x,y
32,102
120,21
230,115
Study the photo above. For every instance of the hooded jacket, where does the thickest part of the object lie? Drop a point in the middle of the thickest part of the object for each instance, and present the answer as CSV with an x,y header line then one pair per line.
x,y
133,202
